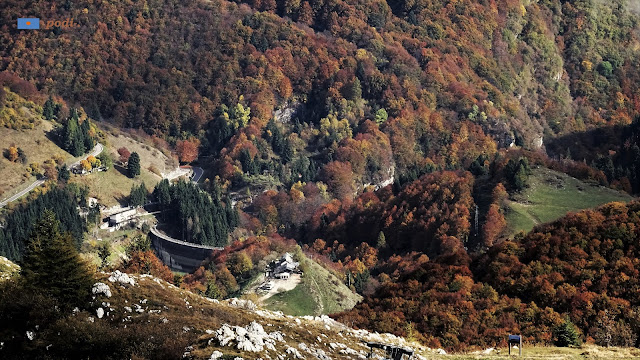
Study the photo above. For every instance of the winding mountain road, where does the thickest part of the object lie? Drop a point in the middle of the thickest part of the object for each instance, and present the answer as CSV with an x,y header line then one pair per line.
x,y
95,152
17,196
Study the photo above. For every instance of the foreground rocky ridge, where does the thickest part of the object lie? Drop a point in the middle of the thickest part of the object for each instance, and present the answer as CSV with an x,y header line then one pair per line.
x,y
234,327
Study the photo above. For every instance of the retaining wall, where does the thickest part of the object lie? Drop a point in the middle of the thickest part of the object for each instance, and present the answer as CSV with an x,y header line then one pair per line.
x,y
179,255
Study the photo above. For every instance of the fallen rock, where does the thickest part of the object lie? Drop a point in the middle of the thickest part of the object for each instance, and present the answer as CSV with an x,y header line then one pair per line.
x,y
100,313
216,355
101,289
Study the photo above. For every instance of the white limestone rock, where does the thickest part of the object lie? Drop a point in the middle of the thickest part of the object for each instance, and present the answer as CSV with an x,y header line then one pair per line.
x,y
251,338
294,352
216,355
100,288
100,313
121,278
243,304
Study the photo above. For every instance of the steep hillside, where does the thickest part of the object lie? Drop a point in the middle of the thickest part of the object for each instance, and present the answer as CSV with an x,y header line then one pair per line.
x,y
551,195
439,75
382,137
23,127
582,265
239,270
113,186
320,292
145,317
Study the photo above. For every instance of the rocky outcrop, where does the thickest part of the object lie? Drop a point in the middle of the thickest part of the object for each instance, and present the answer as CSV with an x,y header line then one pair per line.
x,y
242,304
101,289
251,338
286,113
121,278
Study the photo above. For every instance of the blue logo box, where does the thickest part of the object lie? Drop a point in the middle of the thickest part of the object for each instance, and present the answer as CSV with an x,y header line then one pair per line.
x,y
28,23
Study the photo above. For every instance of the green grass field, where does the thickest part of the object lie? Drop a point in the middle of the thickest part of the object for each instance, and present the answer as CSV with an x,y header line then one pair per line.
x,y
320,292
551,195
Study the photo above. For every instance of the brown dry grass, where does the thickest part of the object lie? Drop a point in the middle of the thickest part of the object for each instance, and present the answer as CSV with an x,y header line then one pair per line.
x,y
113,186
587,351
38,149
149,156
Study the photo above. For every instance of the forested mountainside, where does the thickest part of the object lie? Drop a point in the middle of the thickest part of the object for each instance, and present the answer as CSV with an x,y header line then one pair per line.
x,y
386,138
446,73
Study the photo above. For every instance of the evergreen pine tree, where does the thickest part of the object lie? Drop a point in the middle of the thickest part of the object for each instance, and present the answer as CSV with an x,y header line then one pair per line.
x,y
133,166
138,195
287,150
566,334
162,194
48,110
382,240
88,142
232,215
69,132
52,265
63,174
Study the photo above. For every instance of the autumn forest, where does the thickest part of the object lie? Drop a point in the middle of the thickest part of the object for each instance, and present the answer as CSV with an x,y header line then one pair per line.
x,y
390,140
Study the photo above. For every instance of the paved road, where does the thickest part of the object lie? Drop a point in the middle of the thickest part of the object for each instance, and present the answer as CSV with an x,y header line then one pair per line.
x,y
95,152
22,193
197,174
184,170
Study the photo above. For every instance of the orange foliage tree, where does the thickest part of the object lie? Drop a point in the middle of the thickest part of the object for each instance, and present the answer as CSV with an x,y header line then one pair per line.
x,y
146,262
188,150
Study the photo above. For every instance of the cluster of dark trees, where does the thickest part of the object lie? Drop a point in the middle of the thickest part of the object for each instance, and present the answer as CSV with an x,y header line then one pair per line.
x,y
516,173
77,138
138,195
197,216
278,141
612,150
19,223
51,109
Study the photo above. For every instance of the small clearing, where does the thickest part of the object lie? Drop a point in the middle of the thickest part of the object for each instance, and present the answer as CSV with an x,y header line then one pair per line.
x,y
282,285
551,195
